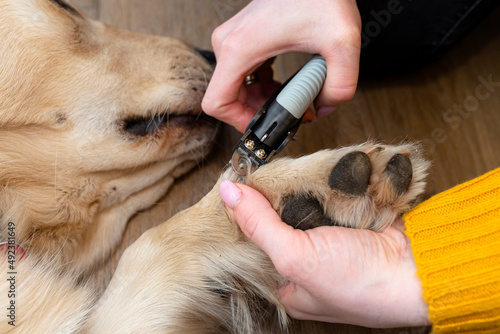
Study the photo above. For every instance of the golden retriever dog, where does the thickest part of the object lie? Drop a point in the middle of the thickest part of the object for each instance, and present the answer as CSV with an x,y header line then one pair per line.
x,y
95,124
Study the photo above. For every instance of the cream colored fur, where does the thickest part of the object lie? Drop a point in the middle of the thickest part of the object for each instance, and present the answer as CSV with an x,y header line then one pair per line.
x,y
71,176
197,273
47,298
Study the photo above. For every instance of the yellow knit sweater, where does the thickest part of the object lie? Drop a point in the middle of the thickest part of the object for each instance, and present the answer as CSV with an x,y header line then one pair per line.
x,y
455,238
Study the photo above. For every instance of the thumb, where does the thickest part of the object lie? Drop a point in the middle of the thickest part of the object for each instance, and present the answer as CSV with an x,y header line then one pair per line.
x,y
257,219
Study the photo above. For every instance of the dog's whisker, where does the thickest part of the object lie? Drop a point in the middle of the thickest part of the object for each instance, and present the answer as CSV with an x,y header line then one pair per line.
x,y
161,117
200,114
151,120
204,75
55,170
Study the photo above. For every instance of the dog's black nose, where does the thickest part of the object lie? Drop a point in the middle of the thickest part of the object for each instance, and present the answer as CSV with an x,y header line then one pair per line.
x,y
208,55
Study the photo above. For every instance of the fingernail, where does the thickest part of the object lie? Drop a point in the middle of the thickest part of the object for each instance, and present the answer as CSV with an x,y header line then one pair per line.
x,y
324,111
230,193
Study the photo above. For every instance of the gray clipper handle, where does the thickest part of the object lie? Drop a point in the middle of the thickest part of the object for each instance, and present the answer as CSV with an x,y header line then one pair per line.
x,y
301,91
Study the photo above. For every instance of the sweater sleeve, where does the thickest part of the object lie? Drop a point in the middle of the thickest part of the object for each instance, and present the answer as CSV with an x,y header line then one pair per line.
x,y
455,238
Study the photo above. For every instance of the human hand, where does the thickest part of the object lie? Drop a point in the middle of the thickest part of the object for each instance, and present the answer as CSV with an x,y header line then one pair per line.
x,y
334,274
264,29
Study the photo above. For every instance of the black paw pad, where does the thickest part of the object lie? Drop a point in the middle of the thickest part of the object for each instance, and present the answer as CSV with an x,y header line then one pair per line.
x,y
304,212
352,173
400,172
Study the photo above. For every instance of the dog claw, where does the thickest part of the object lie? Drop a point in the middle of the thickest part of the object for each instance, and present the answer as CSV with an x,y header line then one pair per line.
x,y
377,149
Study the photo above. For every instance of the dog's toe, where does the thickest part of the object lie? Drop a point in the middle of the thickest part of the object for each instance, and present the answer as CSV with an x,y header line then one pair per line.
x,y
400,172
304,212
366,186
352,173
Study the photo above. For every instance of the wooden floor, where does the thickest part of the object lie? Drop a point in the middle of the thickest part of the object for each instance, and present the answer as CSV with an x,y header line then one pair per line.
x,y
415,106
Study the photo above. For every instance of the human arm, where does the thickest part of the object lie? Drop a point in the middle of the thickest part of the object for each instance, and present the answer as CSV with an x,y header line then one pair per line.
x,y
455,241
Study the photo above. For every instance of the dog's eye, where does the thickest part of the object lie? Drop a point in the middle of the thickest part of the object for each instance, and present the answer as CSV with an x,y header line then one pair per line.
x,y
66,7
142,126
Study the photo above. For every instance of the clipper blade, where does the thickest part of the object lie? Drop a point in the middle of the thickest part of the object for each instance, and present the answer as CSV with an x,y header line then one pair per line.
x,y
241,163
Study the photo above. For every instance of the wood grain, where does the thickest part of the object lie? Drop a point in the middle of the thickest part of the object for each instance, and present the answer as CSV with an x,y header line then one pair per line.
x,y
441,105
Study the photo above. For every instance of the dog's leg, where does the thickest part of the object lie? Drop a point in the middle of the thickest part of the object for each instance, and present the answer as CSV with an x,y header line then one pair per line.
x,y
110,224
178,277
197,273
41,299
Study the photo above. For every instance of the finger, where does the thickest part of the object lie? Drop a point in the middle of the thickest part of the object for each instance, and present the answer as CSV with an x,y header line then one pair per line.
x,y
341,80
260,222
228,108
263,88
226,97
341,52
309,116
221,32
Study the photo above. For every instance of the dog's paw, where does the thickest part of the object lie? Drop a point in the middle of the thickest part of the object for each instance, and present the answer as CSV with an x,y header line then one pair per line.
x,y
365,186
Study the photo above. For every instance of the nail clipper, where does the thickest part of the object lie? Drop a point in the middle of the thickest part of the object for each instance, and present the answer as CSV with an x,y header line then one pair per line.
x,y
279,118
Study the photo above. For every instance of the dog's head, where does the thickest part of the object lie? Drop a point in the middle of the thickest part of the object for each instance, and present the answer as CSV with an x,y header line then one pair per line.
x,y
91,116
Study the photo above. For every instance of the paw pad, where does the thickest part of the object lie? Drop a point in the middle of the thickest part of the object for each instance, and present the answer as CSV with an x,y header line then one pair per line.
x,y
352,173
400,171
304,212
366,186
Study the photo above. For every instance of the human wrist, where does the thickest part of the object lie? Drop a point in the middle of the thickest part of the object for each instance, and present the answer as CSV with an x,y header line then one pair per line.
x,y
410,305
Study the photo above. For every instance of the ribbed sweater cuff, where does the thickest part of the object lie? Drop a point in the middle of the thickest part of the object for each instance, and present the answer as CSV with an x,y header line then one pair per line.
x,y
455,238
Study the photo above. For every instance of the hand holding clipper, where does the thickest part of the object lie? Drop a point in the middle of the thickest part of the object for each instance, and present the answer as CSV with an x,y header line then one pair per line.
x,y
279,118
